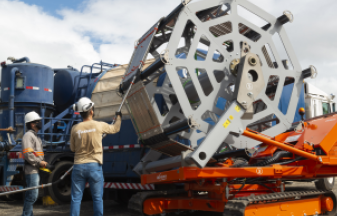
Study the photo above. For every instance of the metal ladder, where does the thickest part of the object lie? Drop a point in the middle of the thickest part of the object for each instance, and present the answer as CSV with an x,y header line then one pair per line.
x,y
78,94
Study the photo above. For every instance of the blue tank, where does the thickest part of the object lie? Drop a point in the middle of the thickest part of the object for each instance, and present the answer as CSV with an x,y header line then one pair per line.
x,y
65,82
34,83
31,86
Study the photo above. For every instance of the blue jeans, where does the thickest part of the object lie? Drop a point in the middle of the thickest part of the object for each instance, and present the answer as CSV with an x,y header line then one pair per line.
x,y
83,173
32,195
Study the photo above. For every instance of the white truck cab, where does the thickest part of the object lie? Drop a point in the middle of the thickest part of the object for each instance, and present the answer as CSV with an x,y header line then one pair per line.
x,y
317,102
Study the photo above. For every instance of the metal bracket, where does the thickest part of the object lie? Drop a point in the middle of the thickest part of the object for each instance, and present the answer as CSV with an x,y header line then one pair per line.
x,y
250,81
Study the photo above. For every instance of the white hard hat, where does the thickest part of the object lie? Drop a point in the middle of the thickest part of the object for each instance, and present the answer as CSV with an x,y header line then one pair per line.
x,y
32,116
84,104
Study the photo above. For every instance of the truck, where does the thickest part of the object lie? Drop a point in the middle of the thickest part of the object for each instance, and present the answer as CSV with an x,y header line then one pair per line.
x,y
51,92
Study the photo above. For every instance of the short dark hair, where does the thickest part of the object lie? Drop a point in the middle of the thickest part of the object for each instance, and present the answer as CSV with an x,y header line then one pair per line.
x,y
85,115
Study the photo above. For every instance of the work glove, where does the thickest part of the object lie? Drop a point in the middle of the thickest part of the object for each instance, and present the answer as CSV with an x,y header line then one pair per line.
x,y
118,114
48,169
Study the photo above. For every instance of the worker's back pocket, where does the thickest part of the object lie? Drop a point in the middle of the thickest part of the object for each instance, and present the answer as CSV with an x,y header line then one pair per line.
x,y
96,176
95,172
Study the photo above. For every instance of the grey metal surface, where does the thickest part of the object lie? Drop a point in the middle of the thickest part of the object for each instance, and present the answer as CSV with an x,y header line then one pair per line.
x,y
170,147
229,122
150,156
217,27
208,102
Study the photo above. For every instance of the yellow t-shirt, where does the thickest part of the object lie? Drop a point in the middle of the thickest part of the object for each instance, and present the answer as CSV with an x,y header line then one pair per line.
x,y
86,140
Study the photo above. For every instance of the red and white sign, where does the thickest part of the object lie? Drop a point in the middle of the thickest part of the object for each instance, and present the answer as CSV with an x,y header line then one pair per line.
x,y
122,146
9,188
32,88
126,186
48,90
6,88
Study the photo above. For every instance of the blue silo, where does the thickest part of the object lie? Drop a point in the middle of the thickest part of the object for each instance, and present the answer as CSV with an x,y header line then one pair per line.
x,y
25,87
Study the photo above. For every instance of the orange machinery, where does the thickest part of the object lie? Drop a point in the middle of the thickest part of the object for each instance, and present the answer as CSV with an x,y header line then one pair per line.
x,y
250,189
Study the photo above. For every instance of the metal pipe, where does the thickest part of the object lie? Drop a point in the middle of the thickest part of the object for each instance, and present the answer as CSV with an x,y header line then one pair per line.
x,y
27,189
26,59
127,93
11,101
235,153
161,165
39,186
281,146
152,68
177,126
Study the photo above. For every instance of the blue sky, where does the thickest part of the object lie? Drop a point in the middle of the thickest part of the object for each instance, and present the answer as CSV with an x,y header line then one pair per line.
x,y
53,6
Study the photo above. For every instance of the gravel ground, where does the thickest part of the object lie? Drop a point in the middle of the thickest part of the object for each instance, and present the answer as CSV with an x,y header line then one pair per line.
x,y
110,207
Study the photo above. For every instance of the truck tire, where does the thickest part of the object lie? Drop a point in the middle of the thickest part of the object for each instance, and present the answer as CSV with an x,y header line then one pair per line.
x,y
124,196
325,184
61,192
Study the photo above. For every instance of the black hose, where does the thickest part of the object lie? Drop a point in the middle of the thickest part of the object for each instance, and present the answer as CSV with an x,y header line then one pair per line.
x,y
234,153
290,161
243,184
273,159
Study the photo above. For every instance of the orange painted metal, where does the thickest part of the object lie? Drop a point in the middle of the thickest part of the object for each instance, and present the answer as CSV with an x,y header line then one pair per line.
x,y
184,174
302,170
309,206
156,206
286,208
253,187
220,188
319,131
327,204
280,145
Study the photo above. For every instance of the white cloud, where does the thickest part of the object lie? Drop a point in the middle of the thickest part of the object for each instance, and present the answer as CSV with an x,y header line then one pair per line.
x,y
118,23
112,26
28,31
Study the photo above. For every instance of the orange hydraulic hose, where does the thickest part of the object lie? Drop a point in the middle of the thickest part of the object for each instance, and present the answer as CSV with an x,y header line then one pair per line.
x,y
281,146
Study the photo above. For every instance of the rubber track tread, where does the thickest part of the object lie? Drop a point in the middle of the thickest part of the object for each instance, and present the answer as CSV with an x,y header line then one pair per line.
x,y
237,206
234,207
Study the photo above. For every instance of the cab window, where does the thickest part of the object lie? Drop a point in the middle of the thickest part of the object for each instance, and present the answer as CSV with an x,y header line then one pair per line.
x,y
326,108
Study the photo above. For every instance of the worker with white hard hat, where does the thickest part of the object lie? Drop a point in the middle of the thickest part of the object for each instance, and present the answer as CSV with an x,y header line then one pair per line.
x,y
34,159
86,142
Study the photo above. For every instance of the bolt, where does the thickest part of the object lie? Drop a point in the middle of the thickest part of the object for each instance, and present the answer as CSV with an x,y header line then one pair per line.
x,y
320,159
250,94
252,61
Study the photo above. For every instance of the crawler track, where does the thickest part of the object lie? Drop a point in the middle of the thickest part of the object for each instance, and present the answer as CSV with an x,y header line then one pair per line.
x,y
235,207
